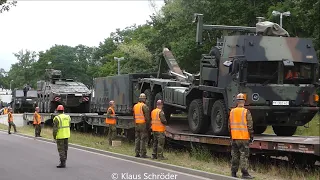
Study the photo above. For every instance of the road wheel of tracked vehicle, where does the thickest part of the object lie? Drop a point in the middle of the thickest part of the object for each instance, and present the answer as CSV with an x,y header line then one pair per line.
x,y
52,107
284,130
219,118
149,100
167,110
198,122
259,129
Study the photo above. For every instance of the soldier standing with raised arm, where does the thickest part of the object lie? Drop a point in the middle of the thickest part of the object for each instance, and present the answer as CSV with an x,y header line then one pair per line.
x,y
111,121
241,129
142,121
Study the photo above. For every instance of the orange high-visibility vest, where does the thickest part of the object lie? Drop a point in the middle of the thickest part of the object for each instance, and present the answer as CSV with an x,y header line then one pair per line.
x,y
111,120
5,111
36,118
138,113
156,124
238,123
10,117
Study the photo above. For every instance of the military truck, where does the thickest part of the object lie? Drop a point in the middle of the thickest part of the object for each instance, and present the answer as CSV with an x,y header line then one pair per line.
x,y
256,61
23,102
55,90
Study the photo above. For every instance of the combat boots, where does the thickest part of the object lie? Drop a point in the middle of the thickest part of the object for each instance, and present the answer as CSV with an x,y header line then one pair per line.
x,y
62,164
246,175
234,174
145,156
154,156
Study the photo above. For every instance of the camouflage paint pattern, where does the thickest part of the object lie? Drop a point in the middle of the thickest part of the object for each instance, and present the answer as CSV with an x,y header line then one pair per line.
x,y
255,49
56,90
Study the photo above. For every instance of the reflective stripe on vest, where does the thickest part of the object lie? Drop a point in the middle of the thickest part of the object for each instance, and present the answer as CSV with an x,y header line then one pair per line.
x,y
111,120
36,118
138,113
238,123
10,117
156,124
63,126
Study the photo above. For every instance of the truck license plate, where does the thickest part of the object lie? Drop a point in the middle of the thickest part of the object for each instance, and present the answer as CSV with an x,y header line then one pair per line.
x,y
280,103
77,94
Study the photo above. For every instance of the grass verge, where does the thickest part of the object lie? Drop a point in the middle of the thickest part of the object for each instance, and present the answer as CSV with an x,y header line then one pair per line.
x,y
198,158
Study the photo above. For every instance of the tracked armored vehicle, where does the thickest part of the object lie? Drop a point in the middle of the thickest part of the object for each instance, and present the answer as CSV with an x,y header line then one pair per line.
x,y
23,102
278,75
55,90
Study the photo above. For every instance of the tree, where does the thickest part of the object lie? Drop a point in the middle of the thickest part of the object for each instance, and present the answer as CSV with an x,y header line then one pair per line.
x,y
5,6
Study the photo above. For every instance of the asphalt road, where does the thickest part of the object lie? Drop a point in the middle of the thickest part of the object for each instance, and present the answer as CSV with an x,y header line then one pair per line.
x,y
30,159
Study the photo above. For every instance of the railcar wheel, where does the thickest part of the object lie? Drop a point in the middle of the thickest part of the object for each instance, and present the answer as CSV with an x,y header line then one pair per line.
x,y
198,122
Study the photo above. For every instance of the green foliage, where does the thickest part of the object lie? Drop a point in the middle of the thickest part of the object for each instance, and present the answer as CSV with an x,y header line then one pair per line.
x,y
5,6
172,27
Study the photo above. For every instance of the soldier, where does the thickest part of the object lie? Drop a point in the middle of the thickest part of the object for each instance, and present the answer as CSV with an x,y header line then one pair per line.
x,y
142,121
10,121
241,129
61,134
158,120
37,122
111,121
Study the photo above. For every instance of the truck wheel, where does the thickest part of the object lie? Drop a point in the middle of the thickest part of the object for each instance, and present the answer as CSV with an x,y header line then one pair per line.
x,y
219,118
284,130
149,100
259,129
198,122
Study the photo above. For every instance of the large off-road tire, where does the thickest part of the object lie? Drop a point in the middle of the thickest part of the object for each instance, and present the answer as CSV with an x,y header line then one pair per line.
x,y
284,130
150,98
259,129
219,118
167,110
198,122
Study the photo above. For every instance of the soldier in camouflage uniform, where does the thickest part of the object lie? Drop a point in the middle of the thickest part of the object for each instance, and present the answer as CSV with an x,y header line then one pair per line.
x,y
37,122
158,121
61,134
111,121
10,121
241,130
142,120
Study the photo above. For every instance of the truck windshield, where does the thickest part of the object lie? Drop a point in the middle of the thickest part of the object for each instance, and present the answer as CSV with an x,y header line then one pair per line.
x,y
19,93
32,94
301,73
262,72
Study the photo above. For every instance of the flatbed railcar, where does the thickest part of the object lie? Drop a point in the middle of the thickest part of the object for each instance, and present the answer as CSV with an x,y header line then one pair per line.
x,y
298,149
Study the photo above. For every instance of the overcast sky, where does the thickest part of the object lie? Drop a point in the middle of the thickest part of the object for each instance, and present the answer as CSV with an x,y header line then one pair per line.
x,y
38,25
